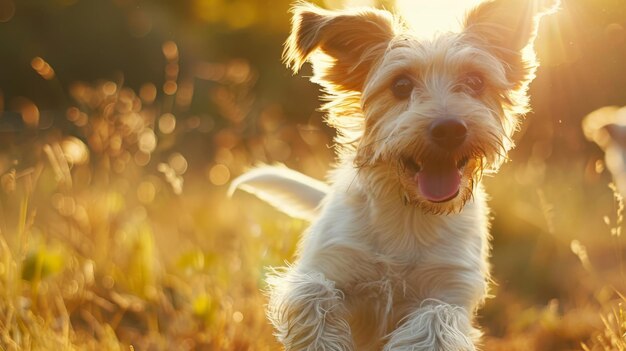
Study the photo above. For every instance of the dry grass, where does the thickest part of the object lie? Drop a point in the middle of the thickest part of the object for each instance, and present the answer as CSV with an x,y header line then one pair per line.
x,y
613,337
103,248
111,239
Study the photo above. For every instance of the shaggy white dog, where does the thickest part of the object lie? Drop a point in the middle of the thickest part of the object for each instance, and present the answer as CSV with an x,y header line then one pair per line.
x,y
396,256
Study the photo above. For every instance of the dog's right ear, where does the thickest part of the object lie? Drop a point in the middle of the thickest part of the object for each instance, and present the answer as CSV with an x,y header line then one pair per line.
x,y
507,28
352,41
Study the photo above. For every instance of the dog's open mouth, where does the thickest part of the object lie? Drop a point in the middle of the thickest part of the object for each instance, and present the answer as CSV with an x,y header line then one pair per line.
x,y
438,179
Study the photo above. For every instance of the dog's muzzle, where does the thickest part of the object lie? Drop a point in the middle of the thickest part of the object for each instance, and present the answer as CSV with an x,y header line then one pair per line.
x,y
439,176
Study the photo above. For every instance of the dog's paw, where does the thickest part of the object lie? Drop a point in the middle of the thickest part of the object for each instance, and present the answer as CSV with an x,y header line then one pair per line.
x,y
440,327
308,312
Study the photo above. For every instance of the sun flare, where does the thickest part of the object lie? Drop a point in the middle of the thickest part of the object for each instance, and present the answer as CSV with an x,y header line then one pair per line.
x,y
428,17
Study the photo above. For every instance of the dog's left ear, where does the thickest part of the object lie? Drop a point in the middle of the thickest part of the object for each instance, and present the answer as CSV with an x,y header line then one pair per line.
x,y
506,28
352,40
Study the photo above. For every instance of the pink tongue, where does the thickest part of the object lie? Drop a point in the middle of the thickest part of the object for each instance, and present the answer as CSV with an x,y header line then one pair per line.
x,y
439,180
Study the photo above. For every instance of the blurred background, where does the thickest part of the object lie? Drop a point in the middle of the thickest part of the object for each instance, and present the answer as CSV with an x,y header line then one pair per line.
x,y
123,121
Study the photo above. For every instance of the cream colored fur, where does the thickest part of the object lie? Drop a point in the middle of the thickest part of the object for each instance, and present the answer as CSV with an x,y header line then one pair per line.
x,y
382,267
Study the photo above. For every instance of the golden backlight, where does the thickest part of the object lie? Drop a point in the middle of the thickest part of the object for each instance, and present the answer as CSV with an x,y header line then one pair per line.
x,y
124,122
428,17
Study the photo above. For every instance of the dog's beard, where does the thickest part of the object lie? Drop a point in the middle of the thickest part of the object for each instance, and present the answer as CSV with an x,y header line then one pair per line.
x,y
438,179
439,184
434,182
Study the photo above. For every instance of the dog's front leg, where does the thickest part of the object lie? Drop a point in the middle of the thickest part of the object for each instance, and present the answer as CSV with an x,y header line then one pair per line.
x,y
307,312
434,326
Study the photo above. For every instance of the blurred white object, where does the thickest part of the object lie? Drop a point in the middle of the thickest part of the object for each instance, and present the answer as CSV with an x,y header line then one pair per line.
x,y
607,128
289,191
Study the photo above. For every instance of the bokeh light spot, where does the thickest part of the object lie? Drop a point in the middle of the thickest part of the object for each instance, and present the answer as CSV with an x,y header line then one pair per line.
x,y
219,174
178,163
147,141
42,68
109,88
238,71
170,50
170,87
7,10
37,63
75,151
72,114
148,93
28,110
167,123
237,317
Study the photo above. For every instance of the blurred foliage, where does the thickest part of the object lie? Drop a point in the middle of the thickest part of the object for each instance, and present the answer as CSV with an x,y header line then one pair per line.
x,y
614,335
124,120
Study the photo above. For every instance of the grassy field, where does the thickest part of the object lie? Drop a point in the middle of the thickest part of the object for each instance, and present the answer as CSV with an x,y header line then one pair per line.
x,y
116,232
104,247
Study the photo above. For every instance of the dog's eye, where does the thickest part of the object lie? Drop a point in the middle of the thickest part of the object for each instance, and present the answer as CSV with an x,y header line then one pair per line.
x,y
402,87
474,83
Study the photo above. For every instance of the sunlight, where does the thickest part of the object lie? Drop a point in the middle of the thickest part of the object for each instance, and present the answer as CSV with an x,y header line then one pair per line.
x,y
339,4
428,17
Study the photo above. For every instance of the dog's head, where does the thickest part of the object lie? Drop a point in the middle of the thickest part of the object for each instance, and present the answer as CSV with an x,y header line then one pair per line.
x,y
428,117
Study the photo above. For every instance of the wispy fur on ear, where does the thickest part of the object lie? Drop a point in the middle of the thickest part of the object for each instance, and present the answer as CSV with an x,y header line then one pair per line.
x,y
352,40
507,27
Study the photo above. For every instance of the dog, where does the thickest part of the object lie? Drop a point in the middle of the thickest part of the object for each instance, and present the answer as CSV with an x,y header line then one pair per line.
x,y
396,256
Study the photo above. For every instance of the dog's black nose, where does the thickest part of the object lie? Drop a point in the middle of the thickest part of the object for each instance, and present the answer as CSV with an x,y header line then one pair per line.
x,y
449,133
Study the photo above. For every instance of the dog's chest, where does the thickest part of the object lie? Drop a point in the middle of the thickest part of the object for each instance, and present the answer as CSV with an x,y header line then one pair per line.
x,y
409,252
407,267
